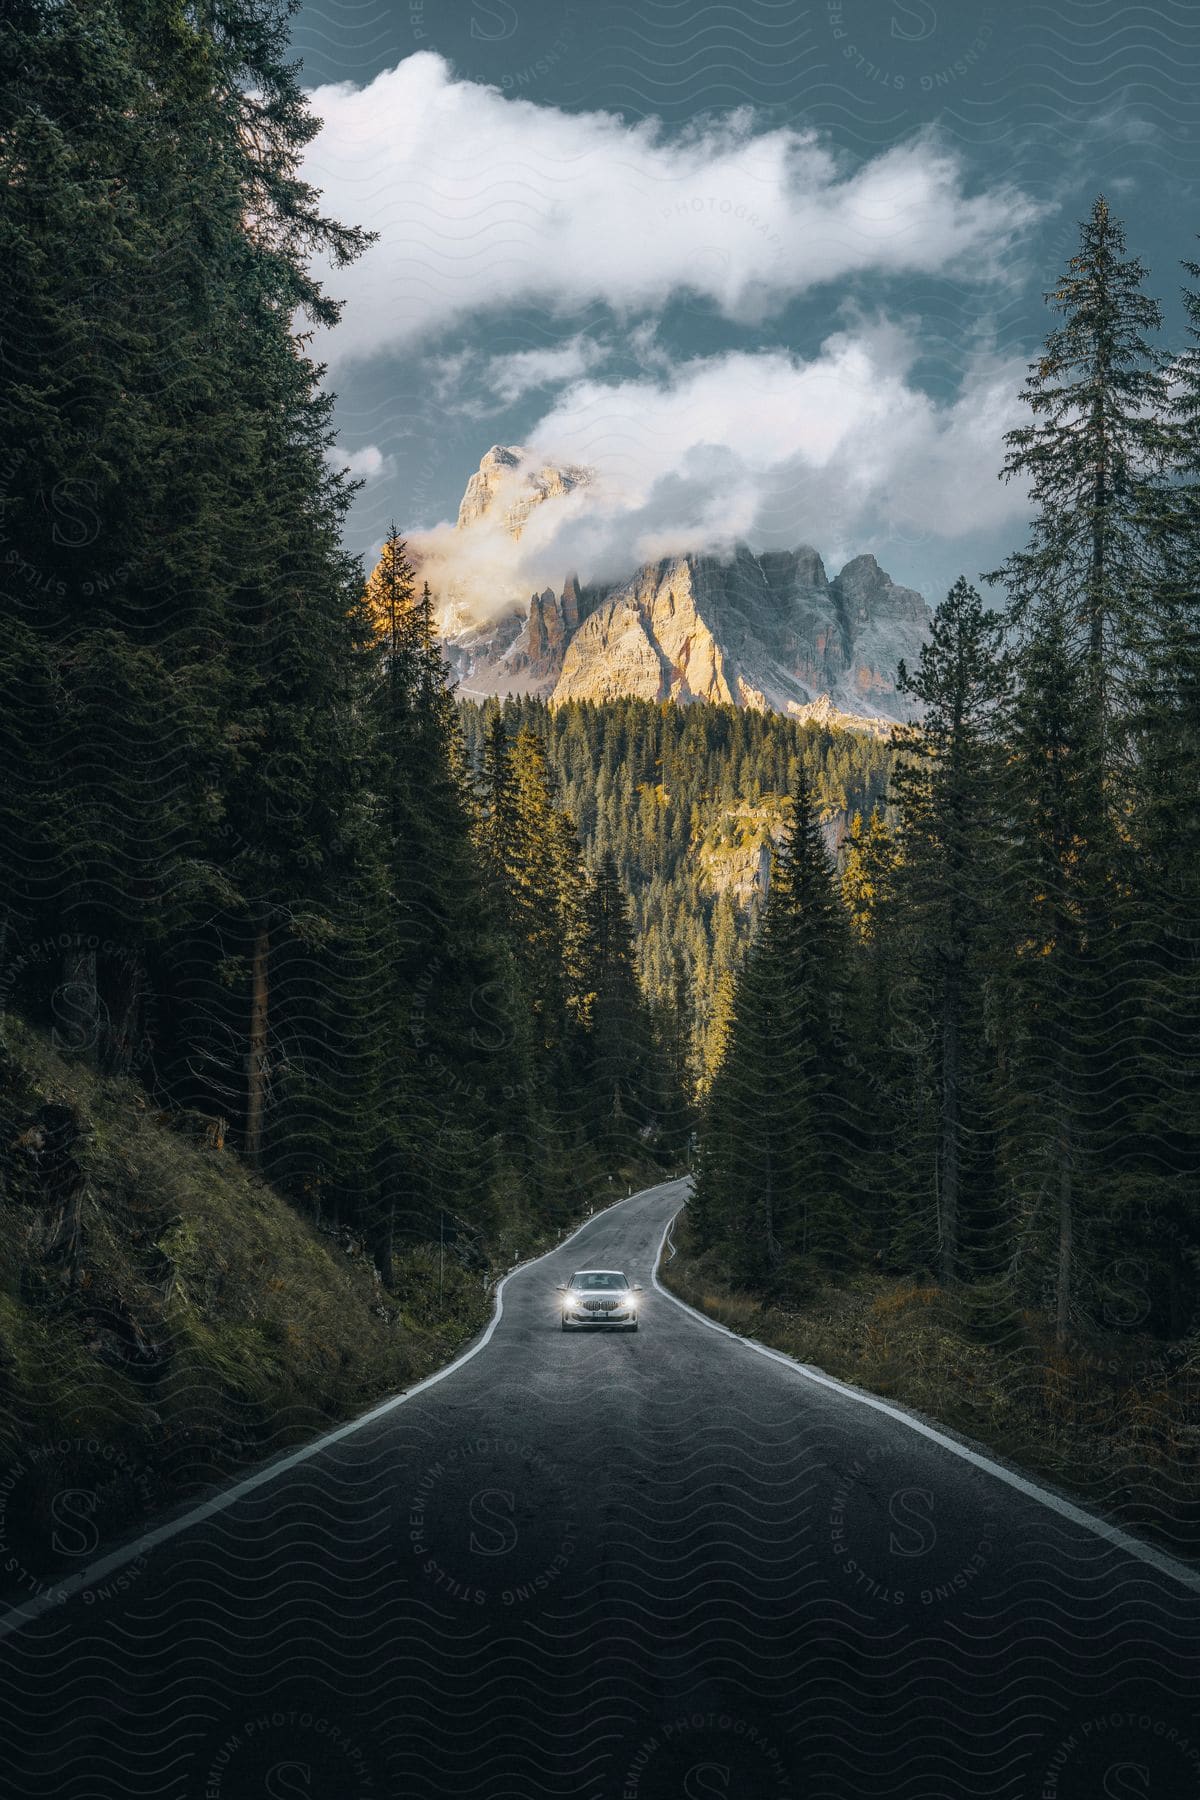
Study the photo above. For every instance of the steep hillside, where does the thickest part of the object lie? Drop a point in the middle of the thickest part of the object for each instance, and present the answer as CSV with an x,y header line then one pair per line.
x,y
165,1315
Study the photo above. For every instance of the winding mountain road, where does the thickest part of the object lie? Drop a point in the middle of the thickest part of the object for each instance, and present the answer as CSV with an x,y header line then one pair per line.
x,y
616,1567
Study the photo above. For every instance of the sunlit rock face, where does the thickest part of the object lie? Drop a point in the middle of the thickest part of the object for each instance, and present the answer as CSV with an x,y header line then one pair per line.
x,y
506,483
769,630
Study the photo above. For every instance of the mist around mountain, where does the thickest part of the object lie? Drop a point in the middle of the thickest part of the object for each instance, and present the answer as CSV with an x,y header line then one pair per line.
x,y
770,630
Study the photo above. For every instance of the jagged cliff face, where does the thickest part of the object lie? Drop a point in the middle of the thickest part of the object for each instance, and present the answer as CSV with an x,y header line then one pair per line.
x,y
519,654
767,630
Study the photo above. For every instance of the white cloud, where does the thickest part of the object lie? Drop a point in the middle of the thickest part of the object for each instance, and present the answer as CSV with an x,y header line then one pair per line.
x,y
521,371
468,383
483,202
368,464
843,451
647,348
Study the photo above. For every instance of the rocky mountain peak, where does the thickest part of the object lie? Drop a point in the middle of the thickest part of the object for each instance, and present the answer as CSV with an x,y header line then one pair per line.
x,y
798,568
483,486
763,629
867,592
509,482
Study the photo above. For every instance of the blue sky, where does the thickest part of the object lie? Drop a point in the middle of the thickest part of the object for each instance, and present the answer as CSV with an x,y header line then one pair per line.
x,y
771,271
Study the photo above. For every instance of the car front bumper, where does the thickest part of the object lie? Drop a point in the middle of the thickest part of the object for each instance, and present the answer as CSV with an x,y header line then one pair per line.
x,y
579,1321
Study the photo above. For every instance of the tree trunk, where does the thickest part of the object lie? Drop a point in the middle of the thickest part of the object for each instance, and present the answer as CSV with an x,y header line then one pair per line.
x,y
77,1004
951,1133
1098,599
385,1239
64,1183
125,1016
769,1206
256,1048
1062,1294
378,1220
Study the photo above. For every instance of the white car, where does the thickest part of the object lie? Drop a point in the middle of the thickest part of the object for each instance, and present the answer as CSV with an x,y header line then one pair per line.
x,y
599,1298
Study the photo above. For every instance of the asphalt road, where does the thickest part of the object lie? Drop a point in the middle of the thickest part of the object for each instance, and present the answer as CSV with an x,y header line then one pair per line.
x,y
618,1567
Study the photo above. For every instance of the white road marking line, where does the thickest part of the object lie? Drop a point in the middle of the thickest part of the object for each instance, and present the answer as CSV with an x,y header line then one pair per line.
x,y
97,1572
1111,1534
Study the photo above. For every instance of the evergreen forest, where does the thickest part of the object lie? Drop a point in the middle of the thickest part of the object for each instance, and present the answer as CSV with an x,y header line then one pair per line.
x,y
688,802
243,856
927,1005
971,1052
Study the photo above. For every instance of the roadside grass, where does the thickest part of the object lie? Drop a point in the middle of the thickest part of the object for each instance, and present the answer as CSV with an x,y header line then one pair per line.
x,y
1113,1419
167,1317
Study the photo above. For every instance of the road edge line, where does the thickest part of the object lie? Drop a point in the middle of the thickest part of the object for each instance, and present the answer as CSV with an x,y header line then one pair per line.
x,y
1067,1509
65,1590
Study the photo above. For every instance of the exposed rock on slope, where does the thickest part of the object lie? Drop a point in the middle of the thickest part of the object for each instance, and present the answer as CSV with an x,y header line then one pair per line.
x,y
517,655
768,631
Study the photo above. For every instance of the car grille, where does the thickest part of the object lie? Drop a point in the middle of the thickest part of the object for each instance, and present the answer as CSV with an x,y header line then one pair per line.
x,y
600,1305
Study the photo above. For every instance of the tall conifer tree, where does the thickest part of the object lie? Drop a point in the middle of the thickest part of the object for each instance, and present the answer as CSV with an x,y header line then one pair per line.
x,y
947,793
775,1173
1091,456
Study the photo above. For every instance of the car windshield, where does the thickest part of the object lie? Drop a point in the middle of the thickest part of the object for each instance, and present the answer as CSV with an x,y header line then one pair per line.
x,y
602,1278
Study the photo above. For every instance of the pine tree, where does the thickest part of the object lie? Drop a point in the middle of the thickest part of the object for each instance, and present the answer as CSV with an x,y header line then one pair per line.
x,y
774,1176
1092,457
445,975
1050,1043
1162,869
881,1034
946,789
1083,607
526,855
619,1061
871,858
112,854
1162,999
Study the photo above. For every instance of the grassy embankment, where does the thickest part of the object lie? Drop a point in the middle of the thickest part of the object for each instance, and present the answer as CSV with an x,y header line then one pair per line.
x,y
167,1317
1112,1418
